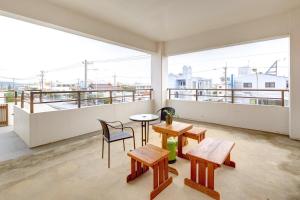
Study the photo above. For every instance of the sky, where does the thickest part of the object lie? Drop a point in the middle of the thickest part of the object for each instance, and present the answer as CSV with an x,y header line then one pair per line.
x,y
210,64
26,49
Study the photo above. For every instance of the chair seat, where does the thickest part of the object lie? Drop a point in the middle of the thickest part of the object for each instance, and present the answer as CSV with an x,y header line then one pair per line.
x,y
119,136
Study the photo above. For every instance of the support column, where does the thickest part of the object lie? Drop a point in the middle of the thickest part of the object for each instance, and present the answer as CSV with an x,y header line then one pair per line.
x,y
295,76
159,77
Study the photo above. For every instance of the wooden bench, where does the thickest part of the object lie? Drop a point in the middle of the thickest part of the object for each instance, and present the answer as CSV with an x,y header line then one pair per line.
x,y
196,134
209,154
154,157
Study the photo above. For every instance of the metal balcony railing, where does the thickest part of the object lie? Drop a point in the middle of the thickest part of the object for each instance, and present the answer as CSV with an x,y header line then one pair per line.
x,y
254,96
81,98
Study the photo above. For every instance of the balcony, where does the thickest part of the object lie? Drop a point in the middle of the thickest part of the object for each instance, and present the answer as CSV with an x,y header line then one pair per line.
x,y
52,150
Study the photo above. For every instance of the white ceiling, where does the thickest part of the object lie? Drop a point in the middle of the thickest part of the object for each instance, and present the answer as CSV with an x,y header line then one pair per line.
x,y
164,20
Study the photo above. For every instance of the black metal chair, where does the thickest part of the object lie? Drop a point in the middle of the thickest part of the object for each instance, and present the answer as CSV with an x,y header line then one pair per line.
x,y
114,137
162,114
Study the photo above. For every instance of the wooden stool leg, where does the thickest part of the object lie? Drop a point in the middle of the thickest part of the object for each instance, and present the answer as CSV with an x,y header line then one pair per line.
x,y
201,185
193,169
139,168
136,170
160,182
228,162
210,176
155,176
202,173
166,169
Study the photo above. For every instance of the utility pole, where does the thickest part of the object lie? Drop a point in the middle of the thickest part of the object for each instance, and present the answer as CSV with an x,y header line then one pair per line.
x,y
42,80
86,63
115,79
14,84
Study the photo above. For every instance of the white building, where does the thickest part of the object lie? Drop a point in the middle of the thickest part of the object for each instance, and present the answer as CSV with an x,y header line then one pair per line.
x,y
185,80
262,81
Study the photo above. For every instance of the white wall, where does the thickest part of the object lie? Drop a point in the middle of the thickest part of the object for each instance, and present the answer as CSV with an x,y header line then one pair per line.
x,y
46,127
159,77
295,76
265,118
45,13
22,124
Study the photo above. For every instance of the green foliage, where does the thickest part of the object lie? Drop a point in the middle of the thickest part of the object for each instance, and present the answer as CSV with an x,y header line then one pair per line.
x,y
9,96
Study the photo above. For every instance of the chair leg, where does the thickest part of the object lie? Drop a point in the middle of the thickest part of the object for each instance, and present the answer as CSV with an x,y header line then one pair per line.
x,y
133,142
108,155
123,145
102,147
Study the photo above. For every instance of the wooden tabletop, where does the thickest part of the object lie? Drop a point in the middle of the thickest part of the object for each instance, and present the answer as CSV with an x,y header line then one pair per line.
x,y
175,129
149,154
212,150
144,117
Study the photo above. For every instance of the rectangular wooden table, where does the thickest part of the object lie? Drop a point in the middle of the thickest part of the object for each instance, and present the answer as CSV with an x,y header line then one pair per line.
x,y
176,129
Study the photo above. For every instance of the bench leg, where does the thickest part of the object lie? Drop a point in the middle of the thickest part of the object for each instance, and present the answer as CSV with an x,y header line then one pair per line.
x,y
205,181
137,169
161,179
180,147
228,162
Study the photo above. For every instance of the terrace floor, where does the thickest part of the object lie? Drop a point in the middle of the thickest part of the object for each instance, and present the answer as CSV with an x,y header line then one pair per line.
x,y
267,168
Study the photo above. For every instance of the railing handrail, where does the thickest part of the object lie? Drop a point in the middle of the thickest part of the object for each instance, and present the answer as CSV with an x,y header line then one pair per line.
x,y
233,95
88,91
234,89
79,98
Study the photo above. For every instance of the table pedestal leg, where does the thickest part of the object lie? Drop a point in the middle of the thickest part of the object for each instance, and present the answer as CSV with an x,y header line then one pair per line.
x,y
164,146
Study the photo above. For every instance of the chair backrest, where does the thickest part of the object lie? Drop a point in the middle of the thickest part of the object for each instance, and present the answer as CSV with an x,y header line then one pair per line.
x,y
163,115
105,129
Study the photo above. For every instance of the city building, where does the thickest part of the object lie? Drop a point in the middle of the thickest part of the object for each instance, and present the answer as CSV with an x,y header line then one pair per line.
x,y
250,79
186,80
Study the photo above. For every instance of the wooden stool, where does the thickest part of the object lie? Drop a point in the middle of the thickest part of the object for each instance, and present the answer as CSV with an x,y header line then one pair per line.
x,y
154,157
208,155
195,133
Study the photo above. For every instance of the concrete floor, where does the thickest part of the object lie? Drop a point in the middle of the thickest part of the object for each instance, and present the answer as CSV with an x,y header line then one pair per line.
x,y
268,167
11,145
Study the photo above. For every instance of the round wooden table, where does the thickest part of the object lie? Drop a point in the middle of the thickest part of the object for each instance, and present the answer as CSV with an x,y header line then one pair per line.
x,y
144,119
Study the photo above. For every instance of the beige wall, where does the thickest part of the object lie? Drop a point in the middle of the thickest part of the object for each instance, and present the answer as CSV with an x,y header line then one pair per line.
x,y
46,127
44,13
271,118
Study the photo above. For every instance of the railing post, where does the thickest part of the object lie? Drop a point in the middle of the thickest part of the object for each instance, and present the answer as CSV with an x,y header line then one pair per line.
x,y
22,99
282,98
110,97
41,96
31,102
196,95
78,99
16,97
133,96
169,94
150,97
232,96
